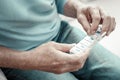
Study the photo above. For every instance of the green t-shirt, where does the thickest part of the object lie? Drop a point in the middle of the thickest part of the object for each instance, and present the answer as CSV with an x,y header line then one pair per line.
x,y
25,24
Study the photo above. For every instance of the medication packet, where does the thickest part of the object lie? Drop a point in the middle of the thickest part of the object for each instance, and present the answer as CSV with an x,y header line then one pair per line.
x,y
88,42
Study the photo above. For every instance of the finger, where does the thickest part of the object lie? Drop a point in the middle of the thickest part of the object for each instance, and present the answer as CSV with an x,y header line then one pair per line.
x,y
80,58
64,47
106,21
95,15
69,64
112,26
74,66
84,22
89,18
77,61
102,14
85,54
87,51
106,24
66,68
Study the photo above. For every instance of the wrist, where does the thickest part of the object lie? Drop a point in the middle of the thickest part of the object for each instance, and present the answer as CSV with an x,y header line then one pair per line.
x,y
29,60
77,4
71,8
23,60
11,58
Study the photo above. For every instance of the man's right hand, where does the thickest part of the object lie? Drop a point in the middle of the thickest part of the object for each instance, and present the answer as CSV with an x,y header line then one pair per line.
x,y
53,57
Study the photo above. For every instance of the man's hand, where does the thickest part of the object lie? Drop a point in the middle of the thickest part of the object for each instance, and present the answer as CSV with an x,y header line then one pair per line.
x,y
90,17
53,57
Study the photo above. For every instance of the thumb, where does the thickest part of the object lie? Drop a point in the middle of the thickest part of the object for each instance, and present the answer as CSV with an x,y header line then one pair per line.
x,y
84,54
87,51
64,47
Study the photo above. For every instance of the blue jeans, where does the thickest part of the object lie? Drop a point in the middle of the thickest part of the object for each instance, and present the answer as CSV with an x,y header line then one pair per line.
x,y
100,65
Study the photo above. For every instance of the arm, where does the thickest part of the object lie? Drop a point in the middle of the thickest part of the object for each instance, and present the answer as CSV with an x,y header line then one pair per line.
x,y
70,8
11,58
49,57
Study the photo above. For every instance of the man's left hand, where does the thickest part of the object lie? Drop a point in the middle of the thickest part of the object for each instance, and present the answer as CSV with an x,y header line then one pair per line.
x,y
90,17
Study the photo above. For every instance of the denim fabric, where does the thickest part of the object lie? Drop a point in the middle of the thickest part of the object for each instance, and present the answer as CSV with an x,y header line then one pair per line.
x,y
100,65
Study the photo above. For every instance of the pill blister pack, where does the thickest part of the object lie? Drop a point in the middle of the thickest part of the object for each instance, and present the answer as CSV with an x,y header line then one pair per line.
x,y
88,42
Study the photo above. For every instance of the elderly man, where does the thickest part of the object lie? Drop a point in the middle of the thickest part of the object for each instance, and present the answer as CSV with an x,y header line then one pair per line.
x,y
27,28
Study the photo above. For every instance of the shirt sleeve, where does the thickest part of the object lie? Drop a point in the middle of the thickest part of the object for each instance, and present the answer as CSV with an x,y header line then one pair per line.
x,y
60,5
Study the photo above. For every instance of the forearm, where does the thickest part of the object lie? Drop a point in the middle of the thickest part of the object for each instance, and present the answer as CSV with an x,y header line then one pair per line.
x,y
70,8
11,58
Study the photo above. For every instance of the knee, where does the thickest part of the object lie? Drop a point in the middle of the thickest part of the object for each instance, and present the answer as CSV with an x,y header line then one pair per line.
x,y
114,71
110,71
107,71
